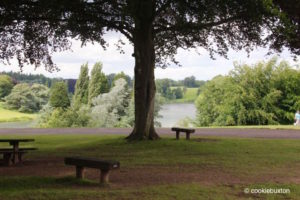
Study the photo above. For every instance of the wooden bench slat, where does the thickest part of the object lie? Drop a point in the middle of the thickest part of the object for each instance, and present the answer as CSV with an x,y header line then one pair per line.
x,y
104,165
92,163
190,130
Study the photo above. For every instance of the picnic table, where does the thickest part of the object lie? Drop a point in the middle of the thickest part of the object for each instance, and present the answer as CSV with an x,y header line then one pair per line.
x,y
15,153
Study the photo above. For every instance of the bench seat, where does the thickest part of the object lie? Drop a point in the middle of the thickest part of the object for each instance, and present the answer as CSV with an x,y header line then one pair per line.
x,y
187,131
104,165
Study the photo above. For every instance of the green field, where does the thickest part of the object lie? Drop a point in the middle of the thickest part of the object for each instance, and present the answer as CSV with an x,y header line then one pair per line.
x,y
203,168
14,116
189,96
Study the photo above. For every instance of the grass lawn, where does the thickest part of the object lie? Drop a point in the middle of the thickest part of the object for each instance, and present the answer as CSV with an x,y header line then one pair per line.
x,y
14,116
203,168
189,96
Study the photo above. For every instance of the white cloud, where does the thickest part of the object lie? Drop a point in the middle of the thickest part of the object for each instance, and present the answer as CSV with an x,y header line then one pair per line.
x,y
201,66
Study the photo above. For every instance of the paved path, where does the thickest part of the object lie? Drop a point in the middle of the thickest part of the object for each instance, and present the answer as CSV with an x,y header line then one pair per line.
x,y
225,132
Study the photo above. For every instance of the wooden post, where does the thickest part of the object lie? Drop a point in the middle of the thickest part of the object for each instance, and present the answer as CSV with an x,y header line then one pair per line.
x,y
104,176
187,135
177,135
7,157
79,172
15,145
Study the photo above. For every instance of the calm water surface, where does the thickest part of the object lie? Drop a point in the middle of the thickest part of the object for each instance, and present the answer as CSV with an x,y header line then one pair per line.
x,y
173,113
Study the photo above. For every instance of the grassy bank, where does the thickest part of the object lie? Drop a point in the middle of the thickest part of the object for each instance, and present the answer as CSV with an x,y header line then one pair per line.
x,y
188,97
203,168
14,116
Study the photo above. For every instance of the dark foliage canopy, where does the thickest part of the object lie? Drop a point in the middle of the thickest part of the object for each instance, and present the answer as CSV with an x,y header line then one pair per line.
x,y
33,29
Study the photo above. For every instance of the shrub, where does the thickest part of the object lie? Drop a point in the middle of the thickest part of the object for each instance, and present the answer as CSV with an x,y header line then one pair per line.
x,y
59,96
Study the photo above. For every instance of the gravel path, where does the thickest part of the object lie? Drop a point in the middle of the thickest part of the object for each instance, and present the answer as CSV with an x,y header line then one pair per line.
x,y
225,132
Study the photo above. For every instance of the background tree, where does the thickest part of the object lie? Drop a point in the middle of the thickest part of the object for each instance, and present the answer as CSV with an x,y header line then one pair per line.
x,y
124,76
110,107
190,82
98,83
156,28
59,96
178,93
6,85
262,94
24,99
82,87
42,94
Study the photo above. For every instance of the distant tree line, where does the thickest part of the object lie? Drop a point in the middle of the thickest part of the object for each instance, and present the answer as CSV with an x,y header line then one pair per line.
x,y
18,77
262,94
172,89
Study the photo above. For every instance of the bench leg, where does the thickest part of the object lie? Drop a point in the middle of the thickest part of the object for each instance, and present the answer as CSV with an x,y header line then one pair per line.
x,y
104,176
177,135
16,158
79,172
7,157
20,157
187,135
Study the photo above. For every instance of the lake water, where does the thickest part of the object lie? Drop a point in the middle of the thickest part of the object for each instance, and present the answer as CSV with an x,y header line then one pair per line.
x,y
173,113
27,124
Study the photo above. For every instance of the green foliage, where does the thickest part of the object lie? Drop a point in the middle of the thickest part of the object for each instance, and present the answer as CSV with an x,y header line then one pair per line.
x,y
82,87
128,119
98,83
63,117
41,93
59,96
190,82
109,108
121,75
178,93
6,85
266,93
26,98
32,78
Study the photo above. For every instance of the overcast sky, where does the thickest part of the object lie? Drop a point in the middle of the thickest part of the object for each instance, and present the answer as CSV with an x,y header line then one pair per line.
x,y
201,66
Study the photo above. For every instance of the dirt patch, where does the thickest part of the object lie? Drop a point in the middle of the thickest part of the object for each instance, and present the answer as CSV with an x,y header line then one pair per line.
x,y
146,175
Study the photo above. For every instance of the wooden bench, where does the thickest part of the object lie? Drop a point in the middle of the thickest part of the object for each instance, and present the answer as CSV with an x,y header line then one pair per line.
x,y
104,165
187,131
8,154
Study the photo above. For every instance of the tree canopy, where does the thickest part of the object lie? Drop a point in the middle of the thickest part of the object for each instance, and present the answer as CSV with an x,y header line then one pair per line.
x,y
33,29
59,95
6,85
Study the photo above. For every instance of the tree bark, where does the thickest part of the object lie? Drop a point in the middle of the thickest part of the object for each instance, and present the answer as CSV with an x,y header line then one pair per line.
x,y
144,84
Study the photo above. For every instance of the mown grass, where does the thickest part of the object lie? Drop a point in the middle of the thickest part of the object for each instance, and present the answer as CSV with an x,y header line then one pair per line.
x,y
238,157
35,188
14,116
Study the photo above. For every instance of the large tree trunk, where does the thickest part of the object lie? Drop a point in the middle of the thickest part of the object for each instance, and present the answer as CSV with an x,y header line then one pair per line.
x,y
144,85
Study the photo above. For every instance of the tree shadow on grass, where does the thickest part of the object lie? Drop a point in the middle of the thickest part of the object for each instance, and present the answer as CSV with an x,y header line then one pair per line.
x,y
29,183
